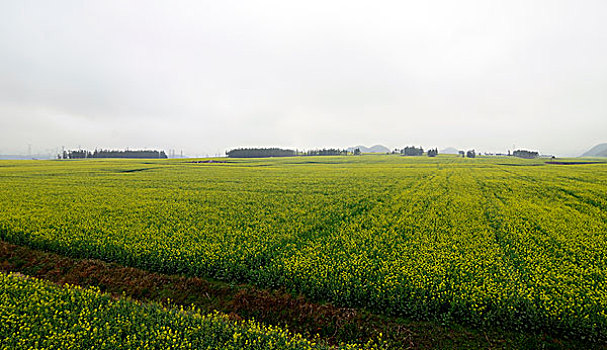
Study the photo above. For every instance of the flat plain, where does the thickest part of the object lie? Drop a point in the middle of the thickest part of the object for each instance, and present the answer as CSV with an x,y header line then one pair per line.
x,y
490,242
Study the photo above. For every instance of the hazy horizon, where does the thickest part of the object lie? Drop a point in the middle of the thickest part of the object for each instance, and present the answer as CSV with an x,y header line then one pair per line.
x,y
204,77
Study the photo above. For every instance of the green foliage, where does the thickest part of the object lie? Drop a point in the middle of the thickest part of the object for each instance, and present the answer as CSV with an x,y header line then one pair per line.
x,y
412,151
479,241
525,154
326,152
260,152
141,154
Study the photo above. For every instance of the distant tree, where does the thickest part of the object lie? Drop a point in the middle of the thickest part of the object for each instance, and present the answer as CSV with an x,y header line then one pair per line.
x,y
260,153
326,152
412,151
79,154
144,154
471,154
525,154
357,152
432,152
462,153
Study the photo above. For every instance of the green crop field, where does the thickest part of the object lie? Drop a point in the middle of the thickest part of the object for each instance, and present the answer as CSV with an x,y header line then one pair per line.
x,y
498,242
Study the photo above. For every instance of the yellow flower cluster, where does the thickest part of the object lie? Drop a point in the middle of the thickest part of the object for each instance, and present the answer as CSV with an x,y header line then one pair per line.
x,y
38,315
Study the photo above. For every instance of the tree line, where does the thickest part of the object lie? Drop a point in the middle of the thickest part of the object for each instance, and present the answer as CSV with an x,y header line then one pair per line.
x,y
327,152
83,154
412,151
521,153
260,152
407,151
279,152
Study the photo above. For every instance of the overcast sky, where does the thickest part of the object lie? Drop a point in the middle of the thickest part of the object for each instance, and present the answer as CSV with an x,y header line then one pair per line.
x,y
206,76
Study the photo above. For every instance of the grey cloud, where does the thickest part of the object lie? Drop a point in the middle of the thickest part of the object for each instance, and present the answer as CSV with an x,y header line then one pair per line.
x,y
204,76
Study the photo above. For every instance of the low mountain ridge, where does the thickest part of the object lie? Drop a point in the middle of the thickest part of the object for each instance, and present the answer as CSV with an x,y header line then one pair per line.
x,y
599,150
372,149
449,150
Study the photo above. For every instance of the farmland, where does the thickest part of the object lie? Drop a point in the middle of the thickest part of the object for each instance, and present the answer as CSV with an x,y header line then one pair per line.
x,y
486,242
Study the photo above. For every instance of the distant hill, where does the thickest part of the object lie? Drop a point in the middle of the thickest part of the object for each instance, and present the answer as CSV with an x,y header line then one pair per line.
x,y
597,151
372,149
449,150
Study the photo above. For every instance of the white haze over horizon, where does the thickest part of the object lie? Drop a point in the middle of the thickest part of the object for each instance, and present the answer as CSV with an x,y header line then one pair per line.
x,y
207,76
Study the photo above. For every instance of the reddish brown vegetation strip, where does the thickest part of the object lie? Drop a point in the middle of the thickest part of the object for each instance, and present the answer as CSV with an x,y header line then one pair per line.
x,y
332,324
573,163
208,162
